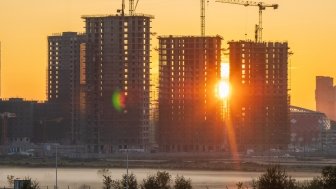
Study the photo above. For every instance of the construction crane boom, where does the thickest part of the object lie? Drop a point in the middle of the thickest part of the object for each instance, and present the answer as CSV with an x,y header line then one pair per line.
x,y
261,5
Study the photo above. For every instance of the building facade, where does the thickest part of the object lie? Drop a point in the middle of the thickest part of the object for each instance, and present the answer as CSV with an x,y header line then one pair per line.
x,y
19,126
325,96
65,85
259,103
117,82
189,111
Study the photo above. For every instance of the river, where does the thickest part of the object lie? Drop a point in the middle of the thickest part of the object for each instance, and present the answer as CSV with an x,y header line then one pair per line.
x,y
75,178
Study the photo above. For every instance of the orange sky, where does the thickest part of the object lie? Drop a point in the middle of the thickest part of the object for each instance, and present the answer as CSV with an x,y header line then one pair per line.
x,y
309,27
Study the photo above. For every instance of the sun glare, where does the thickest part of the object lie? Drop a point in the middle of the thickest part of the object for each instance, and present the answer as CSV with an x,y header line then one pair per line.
x,y
225,71
223,85
223,89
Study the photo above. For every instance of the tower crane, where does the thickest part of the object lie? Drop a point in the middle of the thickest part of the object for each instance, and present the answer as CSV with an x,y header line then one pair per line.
x,y
262,6
132,6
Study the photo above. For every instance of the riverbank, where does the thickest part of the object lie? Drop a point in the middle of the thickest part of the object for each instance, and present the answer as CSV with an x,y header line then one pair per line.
x,y
76,178
189,163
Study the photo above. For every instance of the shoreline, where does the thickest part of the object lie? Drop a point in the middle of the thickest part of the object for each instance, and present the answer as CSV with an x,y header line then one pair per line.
x,y
166,164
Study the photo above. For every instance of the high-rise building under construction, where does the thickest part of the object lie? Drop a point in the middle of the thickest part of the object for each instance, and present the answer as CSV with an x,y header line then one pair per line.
x,y
65,77
117,82
189,111
259,103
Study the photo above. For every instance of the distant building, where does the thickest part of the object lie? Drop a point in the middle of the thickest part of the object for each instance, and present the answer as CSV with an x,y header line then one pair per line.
x,y
308,128
331,137
22,184
325,96
117,82
21,126
65,81
189,111
259,102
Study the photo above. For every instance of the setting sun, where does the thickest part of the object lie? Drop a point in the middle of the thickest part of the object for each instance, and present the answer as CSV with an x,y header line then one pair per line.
x,y
223,85
223,89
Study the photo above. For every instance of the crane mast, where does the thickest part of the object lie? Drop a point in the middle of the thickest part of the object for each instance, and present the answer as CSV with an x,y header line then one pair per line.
x,y
122,8
131,7
202,17
261,5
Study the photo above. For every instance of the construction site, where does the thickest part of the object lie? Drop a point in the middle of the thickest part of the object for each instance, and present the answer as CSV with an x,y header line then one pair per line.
x,y
100,88
259,104
117,67
189,112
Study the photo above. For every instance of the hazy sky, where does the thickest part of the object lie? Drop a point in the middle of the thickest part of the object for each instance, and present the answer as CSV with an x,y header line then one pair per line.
x,y
308,25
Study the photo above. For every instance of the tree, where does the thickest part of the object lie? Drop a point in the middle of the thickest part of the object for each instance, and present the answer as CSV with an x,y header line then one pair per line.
x,y
129,181
275,178
182,183
107,182
327,180
329,177
10,180
239,185
163,179
35,185
159,181
316,183
150,183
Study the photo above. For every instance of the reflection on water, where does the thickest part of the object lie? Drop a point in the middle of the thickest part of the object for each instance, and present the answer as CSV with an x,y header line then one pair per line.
x,y
74,178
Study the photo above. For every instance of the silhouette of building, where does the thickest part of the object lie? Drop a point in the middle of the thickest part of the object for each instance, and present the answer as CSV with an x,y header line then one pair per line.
x,y
259,103
325,96
21,126
189,112
117,82
65,85
308,129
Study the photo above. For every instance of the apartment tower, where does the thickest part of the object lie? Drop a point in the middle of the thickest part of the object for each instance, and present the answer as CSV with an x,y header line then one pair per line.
x,y
117,82
65,81
325,96
189,111
259,103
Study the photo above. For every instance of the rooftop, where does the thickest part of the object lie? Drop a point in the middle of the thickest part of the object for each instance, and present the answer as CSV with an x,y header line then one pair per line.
x,y
117,15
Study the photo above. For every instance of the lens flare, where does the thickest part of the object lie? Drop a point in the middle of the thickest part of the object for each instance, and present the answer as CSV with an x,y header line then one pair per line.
x,y
118,100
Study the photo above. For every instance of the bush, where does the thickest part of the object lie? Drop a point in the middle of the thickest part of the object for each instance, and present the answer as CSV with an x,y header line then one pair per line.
x,y
127,181
275,178
182,183
159,181
329,177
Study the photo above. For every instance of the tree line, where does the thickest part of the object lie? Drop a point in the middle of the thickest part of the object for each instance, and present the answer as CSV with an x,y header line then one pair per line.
x,y
275,177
